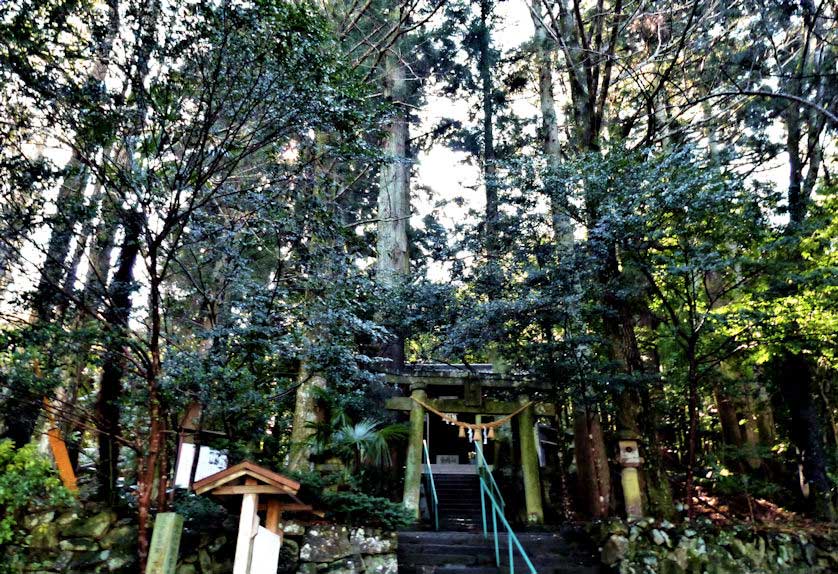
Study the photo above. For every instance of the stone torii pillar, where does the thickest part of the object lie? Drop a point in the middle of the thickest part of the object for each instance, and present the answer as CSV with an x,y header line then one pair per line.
x,y
529,463
413,466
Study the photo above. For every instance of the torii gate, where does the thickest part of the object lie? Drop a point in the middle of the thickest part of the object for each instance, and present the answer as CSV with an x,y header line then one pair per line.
x,y
257,547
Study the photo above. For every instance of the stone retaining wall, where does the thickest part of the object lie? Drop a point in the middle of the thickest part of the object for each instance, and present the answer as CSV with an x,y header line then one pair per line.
x,y
98,540
659,547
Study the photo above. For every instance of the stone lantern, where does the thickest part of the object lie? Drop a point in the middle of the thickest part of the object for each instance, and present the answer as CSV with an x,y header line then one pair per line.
x,y
629,458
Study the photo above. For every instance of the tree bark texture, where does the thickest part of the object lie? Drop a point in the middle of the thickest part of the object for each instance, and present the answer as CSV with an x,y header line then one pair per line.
x,y
116,317
593,478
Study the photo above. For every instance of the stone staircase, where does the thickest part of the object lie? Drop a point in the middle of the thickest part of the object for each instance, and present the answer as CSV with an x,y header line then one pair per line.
x,y
459,502
457,552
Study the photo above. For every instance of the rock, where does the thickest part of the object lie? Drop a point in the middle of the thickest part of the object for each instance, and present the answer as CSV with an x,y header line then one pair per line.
x,y
660,537
205,560
292,528
616,527
217,544
62,561
679,555
120,560
614,549
119,536
353,565
78,545
94,527
381,564
84,560
187,569
810,553
325,543
44,536
289,556
372,541
33,520
738,549
67,518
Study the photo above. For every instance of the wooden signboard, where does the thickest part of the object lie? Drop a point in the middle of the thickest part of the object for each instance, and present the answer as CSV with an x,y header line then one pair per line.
x,y
257,547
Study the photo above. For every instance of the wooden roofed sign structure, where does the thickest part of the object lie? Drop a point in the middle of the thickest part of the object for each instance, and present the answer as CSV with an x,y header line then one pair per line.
x,y
257,547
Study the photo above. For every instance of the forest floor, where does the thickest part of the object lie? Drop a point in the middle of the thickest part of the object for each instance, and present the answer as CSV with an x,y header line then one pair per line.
x,y
763,514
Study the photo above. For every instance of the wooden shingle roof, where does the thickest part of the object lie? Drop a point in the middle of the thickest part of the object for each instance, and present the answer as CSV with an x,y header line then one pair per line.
x,y
229,481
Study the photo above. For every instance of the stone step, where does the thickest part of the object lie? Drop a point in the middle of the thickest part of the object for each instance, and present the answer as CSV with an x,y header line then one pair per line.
x,y
431,552
448,570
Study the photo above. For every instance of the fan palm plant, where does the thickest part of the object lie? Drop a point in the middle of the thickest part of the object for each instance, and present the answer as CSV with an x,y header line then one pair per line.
x,y
366,442
355,444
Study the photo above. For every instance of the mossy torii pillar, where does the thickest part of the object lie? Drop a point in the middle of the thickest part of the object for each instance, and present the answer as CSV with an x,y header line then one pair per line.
x,y
529,464
413,466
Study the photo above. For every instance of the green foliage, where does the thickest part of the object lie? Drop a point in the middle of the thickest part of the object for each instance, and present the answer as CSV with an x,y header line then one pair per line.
x,y
199,512
28,482
361,509
366,442
340,495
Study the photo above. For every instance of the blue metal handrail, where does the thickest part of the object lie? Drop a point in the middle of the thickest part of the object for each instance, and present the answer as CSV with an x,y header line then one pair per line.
x,y
434,499
497,512
484,470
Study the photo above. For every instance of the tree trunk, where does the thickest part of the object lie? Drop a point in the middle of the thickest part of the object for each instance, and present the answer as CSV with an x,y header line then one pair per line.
x,y
562,224
116,317
394,192
393,263
305,414
796,376
692,433
491,233
149,460
593,478
728,418
655,483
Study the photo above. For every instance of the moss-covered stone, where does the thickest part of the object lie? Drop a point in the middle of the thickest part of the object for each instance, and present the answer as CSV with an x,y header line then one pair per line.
x,y
205,561
34,520
289,557
381,564
119,536
372,541
78,545
93,527
84,560
705,549
121,559
326,543
44,536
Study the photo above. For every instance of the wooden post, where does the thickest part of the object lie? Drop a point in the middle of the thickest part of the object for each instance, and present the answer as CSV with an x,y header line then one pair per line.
x,y
529,464
273,516
248,527
413,467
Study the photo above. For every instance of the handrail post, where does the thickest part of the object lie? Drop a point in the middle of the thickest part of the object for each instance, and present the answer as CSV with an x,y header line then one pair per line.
x,y
511,558
483,506
434,500
496,508
495,532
